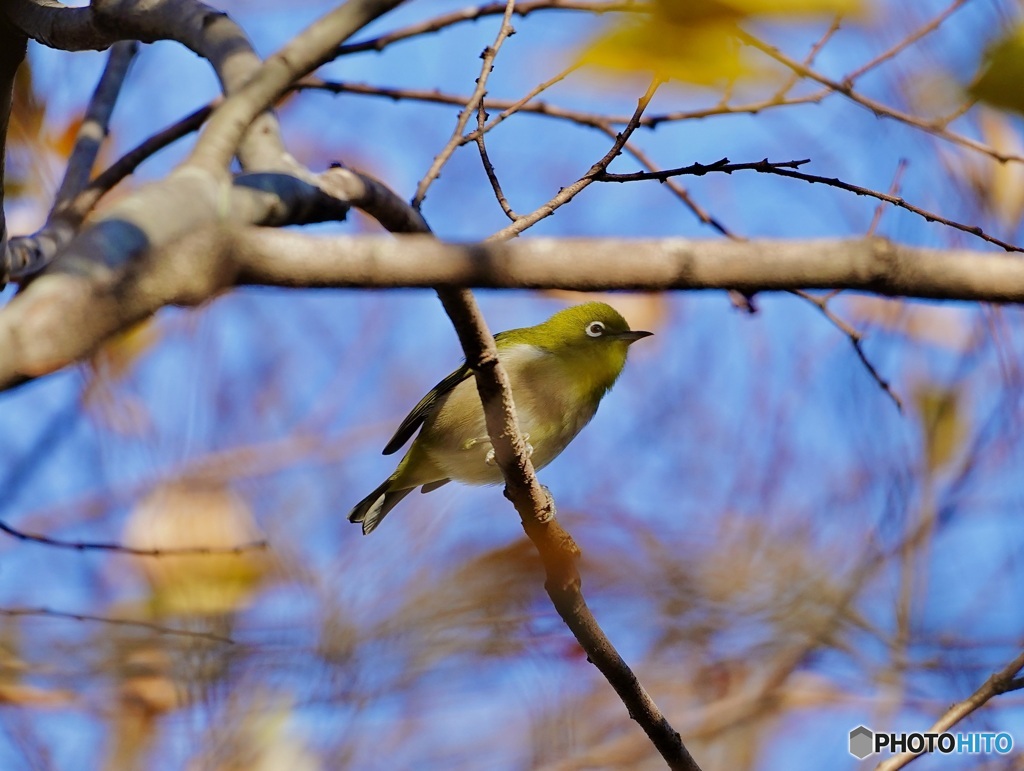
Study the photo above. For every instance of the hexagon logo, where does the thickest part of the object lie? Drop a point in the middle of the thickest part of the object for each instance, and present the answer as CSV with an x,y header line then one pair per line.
x,y
861,742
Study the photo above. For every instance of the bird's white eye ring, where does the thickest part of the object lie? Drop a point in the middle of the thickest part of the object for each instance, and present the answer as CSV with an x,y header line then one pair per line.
x,y
594,329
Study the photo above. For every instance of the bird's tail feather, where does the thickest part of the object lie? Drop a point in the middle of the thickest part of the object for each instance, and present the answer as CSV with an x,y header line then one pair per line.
x,y
375,506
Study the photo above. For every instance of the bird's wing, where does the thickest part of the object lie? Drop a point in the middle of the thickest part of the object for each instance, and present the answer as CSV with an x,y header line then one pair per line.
x,y
419,413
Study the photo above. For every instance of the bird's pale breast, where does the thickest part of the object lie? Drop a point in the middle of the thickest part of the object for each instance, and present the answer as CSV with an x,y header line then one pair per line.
x,y
548,406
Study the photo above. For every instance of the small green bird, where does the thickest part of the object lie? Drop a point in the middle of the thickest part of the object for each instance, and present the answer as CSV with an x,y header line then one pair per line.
x,y
559,372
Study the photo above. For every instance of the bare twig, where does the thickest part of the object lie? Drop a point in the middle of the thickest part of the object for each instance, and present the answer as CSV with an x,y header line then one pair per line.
x,y
472,103
549,110
902,203
894,188
519,105
854,336
786,169
700,169
489,167
95,123
473,13
1003,681
821,304
569,192
794,78
856,340
846,89
678,190
127,622
933,24
121,548
30,254
739,300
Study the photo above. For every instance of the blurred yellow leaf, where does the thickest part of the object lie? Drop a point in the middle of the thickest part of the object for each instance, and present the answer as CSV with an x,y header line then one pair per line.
x,y
705,54
695,40
942,422
697,10
194,515
1002,72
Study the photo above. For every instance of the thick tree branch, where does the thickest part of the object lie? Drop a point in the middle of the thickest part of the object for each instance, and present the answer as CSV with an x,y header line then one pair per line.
x,y
63,317
30,254
58,26
871,265
142,222
201,192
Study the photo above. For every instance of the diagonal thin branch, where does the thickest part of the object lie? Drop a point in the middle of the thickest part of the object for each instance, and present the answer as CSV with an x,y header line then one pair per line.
x,y
933,24
518,105
833,28
1003,681
741,300
548,110
856,340
474,101
95,124
28,255
787,169
937,129
594,173
473,13
492,175
36,251
555,546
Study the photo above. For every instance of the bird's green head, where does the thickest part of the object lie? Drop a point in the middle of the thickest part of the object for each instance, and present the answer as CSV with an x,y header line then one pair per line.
x,y
590,339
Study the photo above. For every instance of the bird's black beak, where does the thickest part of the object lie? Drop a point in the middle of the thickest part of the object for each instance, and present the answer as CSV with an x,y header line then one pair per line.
x,y
633,335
